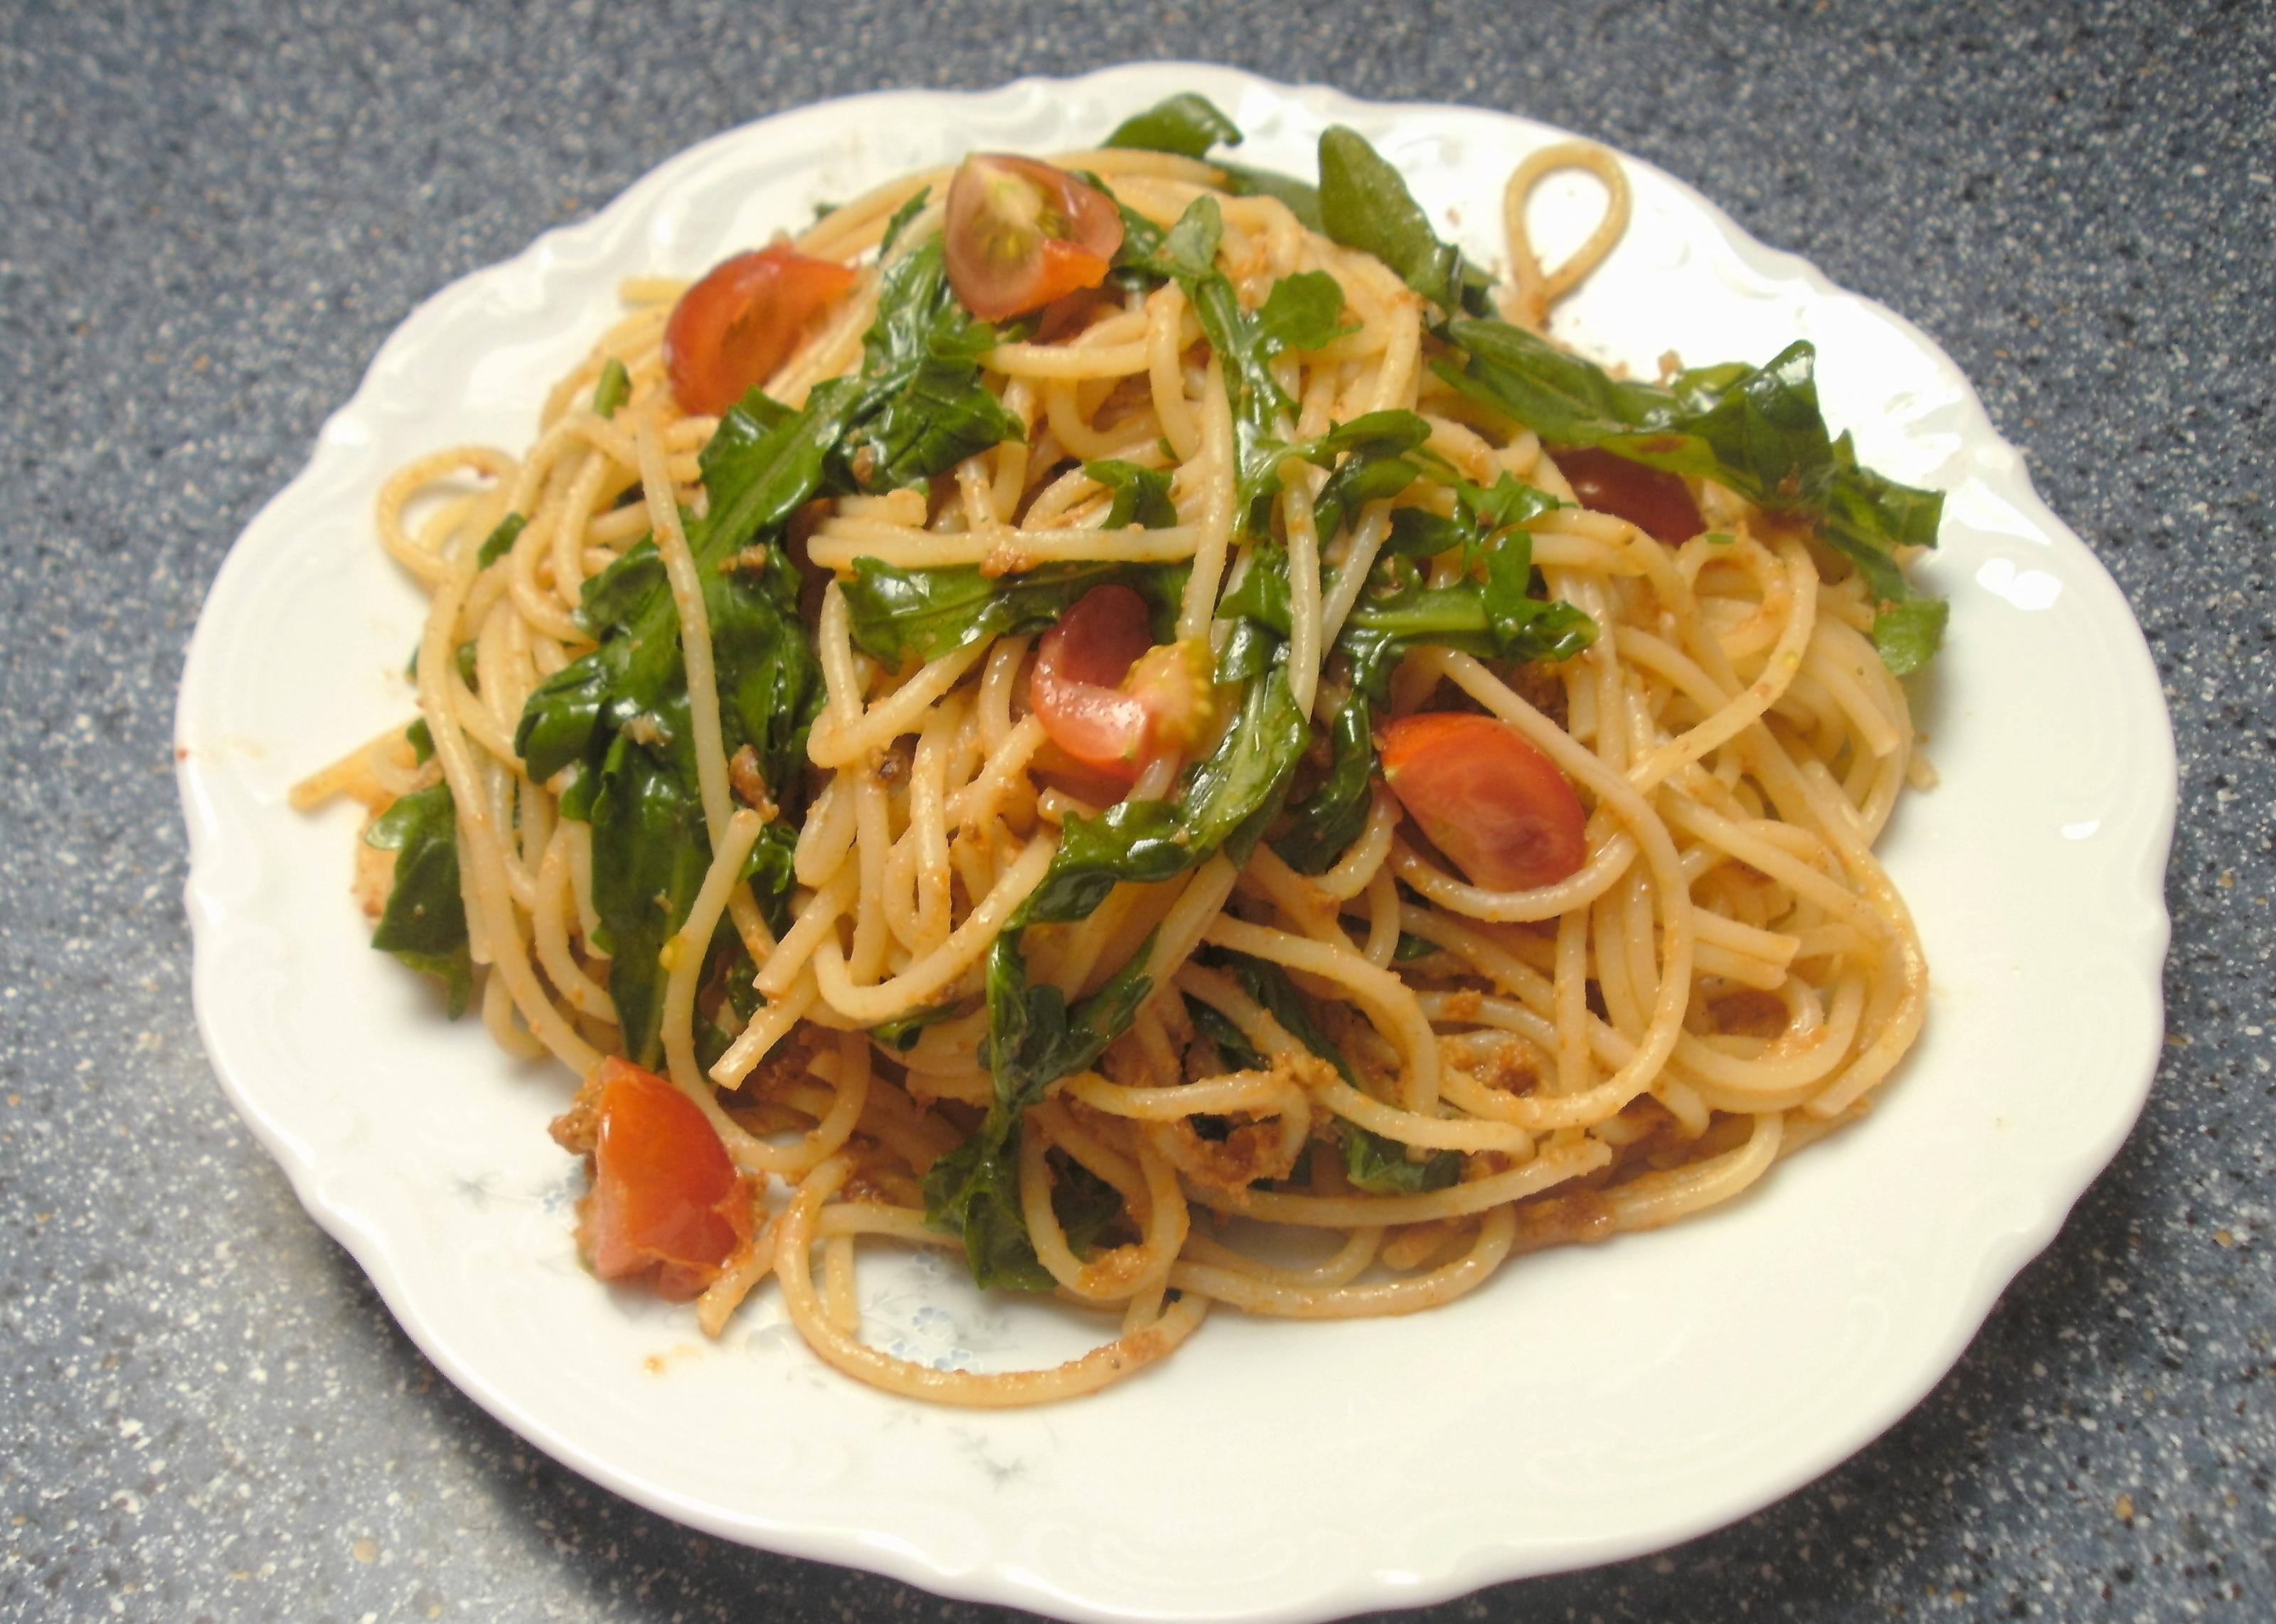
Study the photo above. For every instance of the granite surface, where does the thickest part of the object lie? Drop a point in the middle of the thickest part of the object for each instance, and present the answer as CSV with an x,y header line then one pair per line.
x,y
210,214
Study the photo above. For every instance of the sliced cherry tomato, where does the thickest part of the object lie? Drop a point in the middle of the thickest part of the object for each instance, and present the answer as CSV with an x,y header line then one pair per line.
x,y
733,328
1020,234
665,1197
1653,500
1487,799
1108,695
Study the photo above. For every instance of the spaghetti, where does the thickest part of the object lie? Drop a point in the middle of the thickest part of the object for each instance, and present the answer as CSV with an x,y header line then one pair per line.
x,y
735,759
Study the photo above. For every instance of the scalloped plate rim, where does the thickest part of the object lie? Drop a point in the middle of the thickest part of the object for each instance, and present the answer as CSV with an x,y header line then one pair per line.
x,y
1992,461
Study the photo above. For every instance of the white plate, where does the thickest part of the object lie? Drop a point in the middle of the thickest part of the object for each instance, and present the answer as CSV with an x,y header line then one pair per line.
x,y
1585,1405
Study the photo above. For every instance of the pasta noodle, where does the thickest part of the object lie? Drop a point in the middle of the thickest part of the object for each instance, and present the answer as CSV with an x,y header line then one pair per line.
x,y
1366,1035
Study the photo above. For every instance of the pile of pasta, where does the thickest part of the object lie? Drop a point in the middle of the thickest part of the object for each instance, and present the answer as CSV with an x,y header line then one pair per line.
x,y
1724,979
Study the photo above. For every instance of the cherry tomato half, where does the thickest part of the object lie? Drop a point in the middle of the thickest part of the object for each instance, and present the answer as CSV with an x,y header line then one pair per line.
x,y
1653,500
665,1197
1108,695
1487,799
1021,233
733,328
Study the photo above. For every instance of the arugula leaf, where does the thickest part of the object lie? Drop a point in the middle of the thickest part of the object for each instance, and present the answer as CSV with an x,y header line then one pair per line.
x,y
1382,454
1372,1162
899,222
1323,824
1302,312
619,592
1382,1166
1233,1046
1908,634
424,922
1187,250
1186,124
1036,1037
1493,619
1755,429
1364,204
921,406
1141,495
1225,804
614,387
1245,345
500,542
1490,612
1086,1205
899,615
1189,125
728,973
901,1035
620,716
1301,199
1270,985
1411,947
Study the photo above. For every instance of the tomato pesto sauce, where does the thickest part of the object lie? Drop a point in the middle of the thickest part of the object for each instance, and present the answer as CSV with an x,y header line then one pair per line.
x,y
1075,698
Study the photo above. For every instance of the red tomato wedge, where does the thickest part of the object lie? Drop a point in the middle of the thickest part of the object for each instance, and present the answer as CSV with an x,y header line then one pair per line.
x,y
1653,500
1108,695
1020,234
1487,799
665,1197
732,329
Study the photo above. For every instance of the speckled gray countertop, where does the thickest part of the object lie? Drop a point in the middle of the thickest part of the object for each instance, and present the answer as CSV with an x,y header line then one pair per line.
x,y
211,213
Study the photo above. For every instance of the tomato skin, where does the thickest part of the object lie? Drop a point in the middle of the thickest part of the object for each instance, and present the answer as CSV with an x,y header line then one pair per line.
x,y
1108,695
1021,233
733,328
1653,500
665,1198
1487,797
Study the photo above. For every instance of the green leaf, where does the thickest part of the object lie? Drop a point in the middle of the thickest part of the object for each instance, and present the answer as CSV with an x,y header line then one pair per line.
x,y
1323,824
1141,495
1909,633
1270,985
1376,455
1225,804
1490,612
1301,197
500,542
899,615
1382,1166
1036,1037
1243,345
1755,429
1364,204
899,222
901,1035
1187,124
1372,1162
1085,1204
1411,947
921,406
1189,249
614,389
620,714
1304,312
1232,1048
424,921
